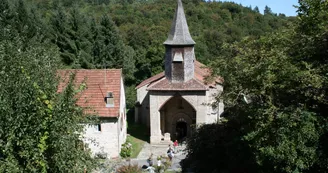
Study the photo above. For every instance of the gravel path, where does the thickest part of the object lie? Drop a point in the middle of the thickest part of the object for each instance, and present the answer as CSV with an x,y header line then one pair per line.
x,y
159,150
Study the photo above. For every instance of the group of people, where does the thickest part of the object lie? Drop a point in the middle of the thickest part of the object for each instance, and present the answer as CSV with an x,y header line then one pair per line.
x,y
170,151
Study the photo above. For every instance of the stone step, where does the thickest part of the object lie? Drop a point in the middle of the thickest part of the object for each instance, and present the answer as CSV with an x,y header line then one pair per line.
x,y
163,143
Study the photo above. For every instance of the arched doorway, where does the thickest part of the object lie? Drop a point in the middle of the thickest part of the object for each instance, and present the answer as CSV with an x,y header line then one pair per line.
x,y
176,117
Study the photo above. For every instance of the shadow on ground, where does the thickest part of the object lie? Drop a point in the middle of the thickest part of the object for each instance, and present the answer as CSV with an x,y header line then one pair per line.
x,y
137,130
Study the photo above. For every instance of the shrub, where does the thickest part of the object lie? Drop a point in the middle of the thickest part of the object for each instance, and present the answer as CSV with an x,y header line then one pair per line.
x,y
101,155
126,150
167,163
129,169
159,169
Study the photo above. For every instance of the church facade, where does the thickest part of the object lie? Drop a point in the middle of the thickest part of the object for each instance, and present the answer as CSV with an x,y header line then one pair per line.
x,y
172,102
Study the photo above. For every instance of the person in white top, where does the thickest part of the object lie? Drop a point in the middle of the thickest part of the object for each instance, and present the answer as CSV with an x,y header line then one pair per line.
x,y
170,152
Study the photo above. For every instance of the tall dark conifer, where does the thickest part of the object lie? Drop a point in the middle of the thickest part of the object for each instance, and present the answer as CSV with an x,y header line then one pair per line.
x,y
80,37
95,42
267,10
112,47
60,29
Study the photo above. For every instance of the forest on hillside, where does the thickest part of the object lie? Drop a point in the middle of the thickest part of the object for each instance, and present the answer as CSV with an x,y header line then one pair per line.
x,y
275,71
130,34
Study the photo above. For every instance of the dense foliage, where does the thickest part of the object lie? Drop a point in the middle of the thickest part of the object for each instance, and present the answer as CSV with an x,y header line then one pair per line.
x,y
281,128
218,148
40,129
276,98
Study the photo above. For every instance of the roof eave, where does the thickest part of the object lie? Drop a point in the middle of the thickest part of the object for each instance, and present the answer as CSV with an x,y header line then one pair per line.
x,y
169,43
155,89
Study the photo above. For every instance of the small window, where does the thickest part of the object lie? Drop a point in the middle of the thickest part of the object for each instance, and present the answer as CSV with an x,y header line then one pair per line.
x,y
98,127
109,100
178,57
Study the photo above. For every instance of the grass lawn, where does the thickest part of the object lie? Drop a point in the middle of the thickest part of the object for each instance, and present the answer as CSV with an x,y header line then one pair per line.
x,y
138,134
137,145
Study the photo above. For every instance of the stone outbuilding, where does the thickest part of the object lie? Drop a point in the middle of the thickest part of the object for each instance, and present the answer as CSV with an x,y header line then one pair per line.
x,y
173,101
104,96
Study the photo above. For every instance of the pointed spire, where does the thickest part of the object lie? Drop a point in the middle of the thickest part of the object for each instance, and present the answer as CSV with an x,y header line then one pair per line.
x,y
179,34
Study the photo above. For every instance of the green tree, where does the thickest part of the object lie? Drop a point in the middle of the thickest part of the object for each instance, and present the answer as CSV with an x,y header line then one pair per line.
x,y
218,148
112,46
113,53
311,47
80,36
60,28
40,128
71,33
267,10
280,128
282,78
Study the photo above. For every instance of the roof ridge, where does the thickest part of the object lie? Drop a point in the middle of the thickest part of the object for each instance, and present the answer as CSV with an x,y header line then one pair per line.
x,y
112,69
156,82
202,83
151,79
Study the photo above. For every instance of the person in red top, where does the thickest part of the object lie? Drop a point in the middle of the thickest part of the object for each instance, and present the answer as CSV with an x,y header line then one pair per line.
x,y
175,145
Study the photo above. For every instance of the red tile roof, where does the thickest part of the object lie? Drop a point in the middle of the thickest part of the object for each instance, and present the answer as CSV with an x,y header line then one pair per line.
x,y
98,83
151,79
201,72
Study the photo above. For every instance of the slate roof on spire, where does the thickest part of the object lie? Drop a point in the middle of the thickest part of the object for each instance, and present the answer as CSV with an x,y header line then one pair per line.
x,y
179,34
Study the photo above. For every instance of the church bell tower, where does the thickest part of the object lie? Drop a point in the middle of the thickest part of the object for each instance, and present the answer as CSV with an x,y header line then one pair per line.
x,y
179,55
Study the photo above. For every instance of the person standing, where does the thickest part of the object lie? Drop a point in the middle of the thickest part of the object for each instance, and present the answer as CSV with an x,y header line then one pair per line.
x,y
150,160
170,153
175,146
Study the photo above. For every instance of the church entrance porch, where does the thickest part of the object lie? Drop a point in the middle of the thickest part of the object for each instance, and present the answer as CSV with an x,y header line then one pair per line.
x,y
177,115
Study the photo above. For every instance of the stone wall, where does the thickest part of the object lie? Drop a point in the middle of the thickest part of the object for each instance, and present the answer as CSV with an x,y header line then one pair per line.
x,y
189,66
122,118
109,139
220,104
168,62
201,101
104,141
142,111
195,98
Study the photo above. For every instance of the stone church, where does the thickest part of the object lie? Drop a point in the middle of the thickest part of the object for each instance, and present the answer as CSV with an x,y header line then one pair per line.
x,y
173,101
